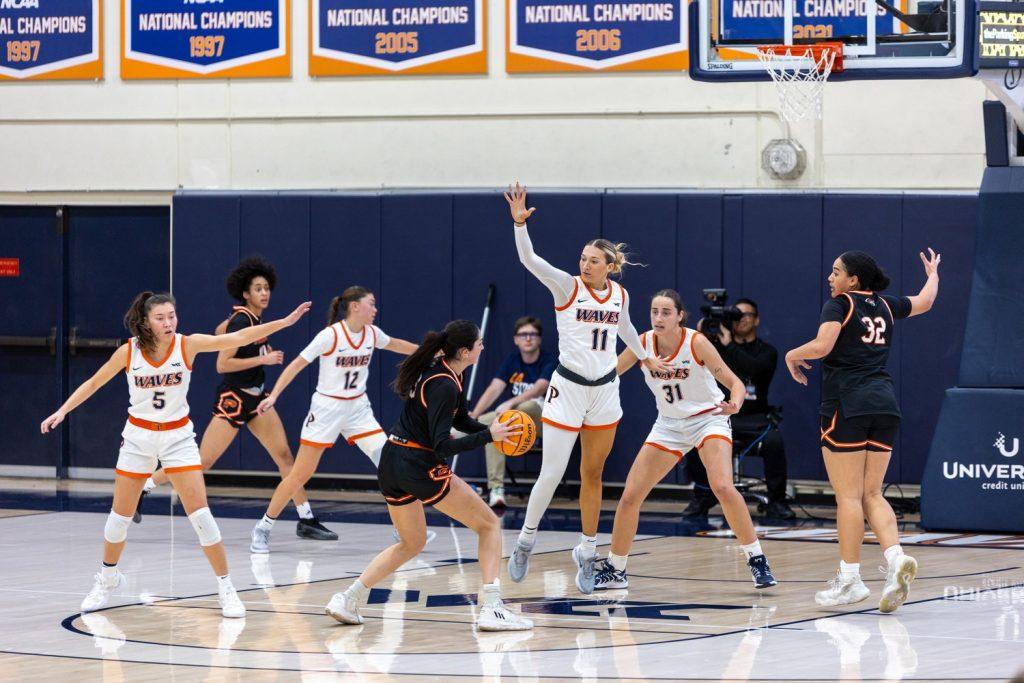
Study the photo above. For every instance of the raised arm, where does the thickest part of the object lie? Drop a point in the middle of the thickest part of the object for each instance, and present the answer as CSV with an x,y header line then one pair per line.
x,y
117,363
558,282
227,362
922,302
200,343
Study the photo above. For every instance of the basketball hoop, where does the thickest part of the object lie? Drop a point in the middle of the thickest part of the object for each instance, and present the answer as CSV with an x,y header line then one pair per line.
x,y
800,73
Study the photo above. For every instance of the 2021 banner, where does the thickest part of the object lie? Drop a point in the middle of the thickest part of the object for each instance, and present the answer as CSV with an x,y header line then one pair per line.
x,y
205,39
360,37
51,39
596,35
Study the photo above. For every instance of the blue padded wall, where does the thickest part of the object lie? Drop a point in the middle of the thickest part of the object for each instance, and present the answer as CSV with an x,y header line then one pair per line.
x,y
429,257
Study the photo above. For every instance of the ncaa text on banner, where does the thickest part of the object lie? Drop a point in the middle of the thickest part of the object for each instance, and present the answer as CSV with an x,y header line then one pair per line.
x,y
359,37
205,38
51,39
595,35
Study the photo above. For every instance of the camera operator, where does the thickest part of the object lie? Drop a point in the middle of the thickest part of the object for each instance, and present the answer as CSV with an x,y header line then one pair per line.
x,y
753,360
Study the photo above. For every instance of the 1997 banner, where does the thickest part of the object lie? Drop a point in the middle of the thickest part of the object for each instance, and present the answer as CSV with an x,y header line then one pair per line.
x,y
205,39
51,39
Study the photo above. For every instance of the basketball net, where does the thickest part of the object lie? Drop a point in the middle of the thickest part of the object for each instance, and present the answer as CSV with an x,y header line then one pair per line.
x,y
800,73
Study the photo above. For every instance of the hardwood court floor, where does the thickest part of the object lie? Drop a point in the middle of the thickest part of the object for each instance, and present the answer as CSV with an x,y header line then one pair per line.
x,y
691,612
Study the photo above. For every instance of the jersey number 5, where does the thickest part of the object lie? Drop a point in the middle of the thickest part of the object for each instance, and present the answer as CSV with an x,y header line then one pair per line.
x,y
876,330
158,400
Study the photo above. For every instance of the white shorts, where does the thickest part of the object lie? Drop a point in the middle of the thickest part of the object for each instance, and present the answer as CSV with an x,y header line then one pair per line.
x,y
679,436
328,417
574,407
142,450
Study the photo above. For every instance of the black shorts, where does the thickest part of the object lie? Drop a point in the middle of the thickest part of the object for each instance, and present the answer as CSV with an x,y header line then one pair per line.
x,y
407,474
861,433
236,406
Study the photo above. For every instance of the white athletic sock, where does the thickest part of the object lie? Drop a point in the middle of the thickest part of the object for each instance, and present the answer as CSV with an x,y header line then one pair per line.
x,y
149,485
490,593
752,549
589,544
892,553
304,510
558,445
849,571
267,522
224,581
527,536
618,561
108,572
358,592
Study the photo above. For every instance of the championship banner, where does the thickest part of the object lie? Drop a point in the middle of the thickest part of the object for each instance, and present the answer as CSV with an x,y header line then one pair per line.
x,y
172,39
51,39
757,20
595,35
373,37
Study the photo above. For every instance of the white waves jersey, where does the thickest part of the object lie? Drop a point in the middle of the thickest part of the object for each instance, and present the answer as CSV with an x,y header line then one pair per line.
x,y
690,389
344,358
158,388
588,328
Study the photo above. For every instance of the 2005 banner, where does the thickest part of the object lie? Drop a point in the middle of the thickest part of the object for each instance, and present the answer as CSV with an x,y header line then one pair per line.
x,y
173,39
595,35
360,37
51,39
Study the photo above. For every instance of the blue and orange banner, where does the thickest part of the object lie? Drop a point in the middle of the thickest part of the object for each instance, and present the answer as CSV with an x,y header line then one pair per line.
x,y
377,37
595,35
177,39
51,39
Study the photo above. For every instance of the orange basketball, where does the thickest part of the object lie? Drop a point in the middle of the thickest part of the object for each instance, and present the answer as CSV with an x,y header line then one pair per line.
x,y
522,442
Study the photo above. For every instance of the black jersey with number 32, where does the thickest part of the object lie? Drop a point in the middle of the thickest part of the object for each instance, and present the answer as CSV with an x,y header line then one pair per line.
x,y
854,378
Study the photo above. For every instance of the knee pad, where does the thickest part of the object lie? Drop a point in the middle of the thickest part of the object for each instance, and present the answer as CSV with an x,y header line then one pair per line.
x,y
116,528
372,445
205,526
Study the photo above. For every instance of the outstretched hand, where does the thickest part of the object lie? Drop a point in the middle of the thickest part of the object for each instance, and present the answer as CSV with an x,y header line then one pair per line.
x,y
516,198
796,368
931,262
297,314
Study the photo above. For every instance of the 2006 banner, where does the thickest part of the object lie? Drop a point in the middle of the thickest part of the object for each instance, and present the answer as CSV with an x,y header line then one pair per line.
x,y
359,37
596,35
51,39
172,39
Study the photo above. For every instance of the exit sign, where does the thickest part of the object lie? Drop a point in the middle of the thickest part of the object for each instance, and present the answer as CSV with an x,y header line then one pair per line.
x,y
10,267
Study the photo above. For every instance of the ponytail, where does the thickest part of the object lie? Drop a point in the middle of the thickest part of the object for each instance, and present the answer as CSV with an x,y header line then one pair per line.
x,y
614,253
870,276
457,335
341,303
135,319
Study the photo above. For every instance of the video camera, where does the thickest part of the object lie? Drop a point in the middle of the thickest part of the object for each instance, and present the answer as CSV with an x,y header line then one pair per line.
x,y
716,313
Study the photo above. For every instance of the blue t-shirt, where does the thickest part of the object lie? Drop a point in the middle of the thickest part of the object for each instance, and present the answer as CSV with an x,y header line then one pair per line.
x,y
520,376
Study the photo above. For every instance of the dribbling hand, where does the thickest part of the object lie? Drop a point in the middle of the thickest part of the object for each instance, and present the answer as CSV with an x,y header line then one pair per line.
x,y
501,431
516,198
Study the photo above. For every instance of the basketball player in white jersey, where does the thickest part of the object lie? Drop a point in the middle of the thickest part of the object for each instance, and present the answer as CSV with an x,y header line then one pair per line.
x,y
340,405
692,413
157,362
583,396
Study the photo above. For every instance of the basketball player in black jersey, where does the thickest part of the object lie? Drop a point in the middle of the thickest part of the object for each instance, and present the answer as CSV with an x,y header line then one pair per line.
x,y
860,416
241,390
414,472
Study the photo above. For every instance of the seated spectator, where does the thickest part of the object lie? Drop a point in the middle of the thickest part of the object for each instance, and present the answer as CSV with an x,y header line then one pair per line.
x,y
521,382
